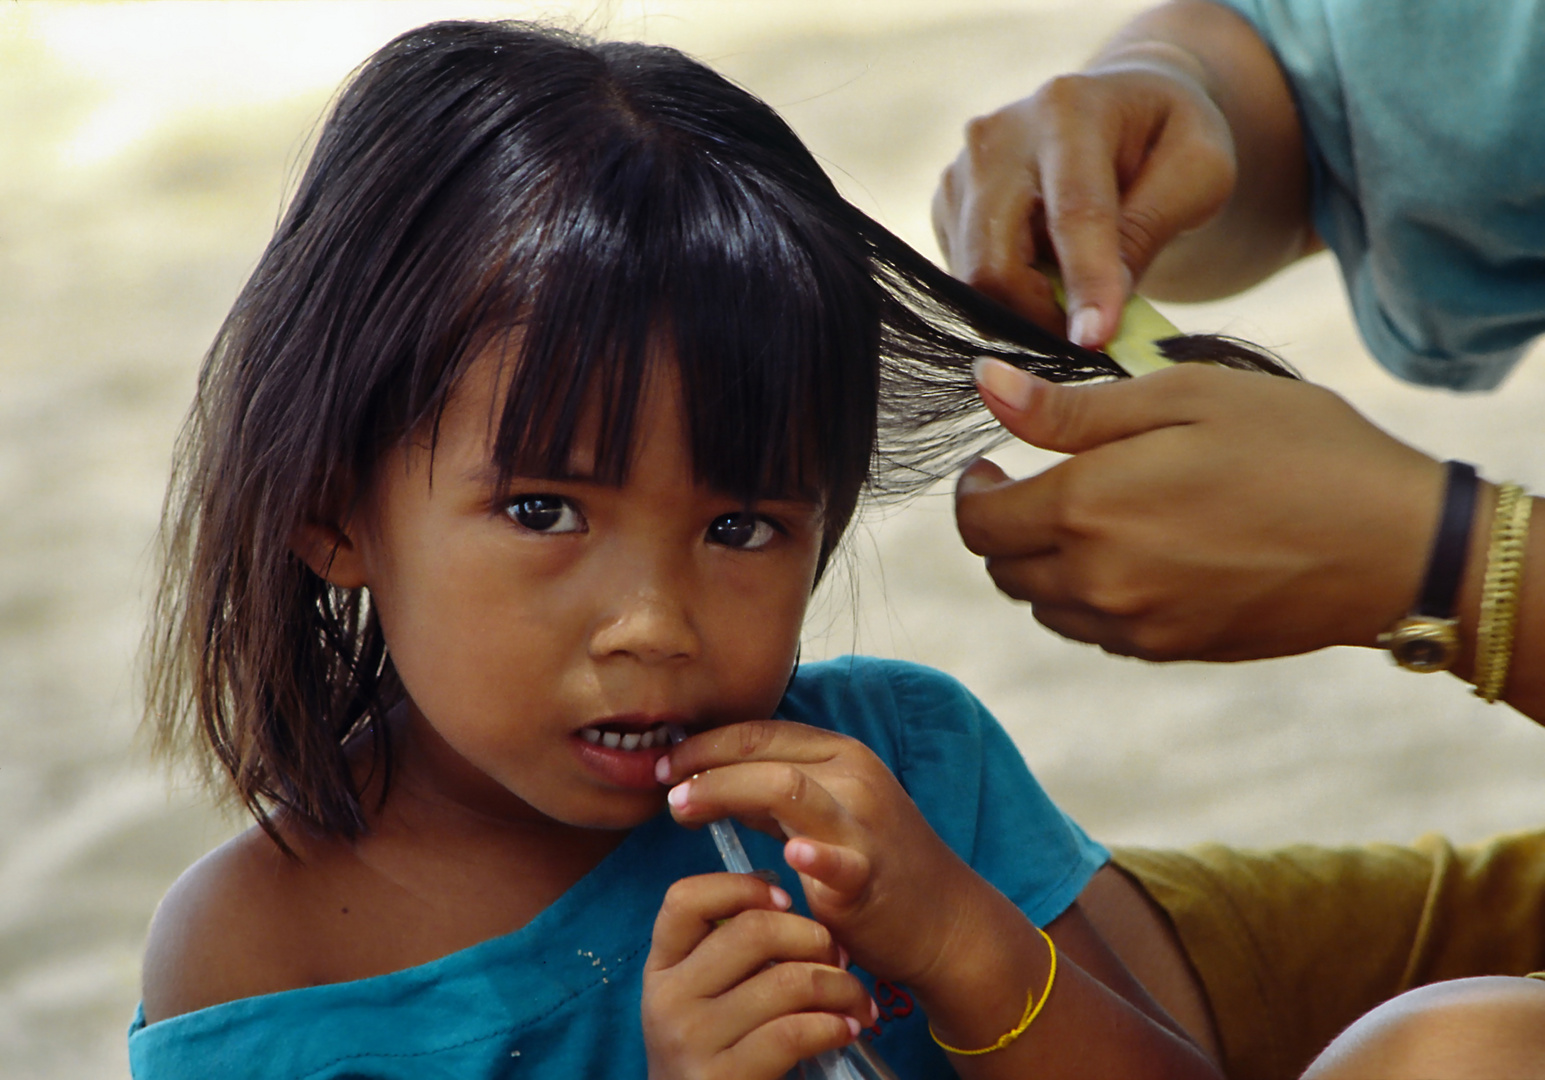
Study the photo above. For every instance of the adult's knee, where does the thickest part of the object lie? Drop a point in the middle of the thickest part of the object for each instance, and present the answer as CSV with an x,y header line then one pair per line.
x,y
1468,1029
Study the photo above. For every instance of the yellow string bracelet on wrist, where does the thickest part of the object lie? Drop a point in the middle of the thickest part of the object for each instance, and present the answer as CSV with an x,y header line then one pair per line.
x,y
1500,591
1032,1009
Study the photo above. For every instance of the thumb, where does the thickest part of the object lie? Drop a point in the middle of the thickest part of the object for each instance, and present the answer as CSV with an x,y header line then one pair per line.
x,y
982,474
1072,419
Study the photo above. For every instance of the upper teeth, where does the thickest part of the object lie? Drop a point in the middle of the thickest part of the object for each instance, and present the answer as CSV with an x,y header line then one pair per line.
x,y
633,740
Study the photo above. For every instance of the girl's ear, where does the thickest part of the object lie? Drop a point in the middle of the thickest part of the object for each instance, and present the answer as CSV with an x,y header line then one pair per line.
x,y
330,552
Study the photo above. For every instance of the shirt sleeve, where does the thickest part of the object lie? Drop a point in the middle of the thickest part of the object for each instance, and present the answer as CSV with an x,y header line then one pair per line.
x,y
964,773
1425,151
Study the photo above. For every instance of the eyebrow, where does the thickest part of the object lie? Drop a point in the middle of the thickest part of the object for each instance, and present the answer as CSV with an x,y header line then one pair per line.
x,y
488,475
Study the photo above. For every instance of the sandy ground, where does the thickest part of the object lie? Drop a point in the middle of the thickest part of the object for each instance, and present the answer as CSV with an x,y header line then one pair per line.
x,y
144,152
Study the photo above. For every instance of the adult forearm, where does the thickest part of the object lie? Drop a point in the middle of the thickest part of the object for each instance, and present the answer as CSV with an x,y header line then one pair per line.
x,y
1265,224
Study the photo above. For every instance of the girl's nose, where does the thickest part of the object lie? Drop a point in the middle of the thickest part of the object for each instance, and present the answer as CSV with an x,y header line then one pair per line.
x,y
649,625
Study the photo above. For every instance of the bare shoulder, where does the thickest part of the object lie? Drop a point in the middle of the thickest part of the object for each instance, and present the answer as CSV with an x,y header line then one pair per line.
x,y
234,925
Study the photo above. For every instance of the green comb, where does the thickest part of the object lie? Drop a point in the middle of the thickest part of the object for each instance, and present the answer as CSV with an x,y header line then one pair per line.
x,y
1135,346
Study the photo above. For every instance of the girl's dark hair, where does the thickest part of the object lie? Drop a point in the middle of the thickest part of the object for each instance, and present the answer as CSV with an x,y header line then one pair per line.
x,y
586,206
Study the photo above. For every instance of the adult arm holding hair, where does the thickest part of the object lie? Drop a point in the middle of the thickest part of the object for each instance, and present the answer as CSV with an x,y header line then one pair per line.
x,y
1205,514
1220,515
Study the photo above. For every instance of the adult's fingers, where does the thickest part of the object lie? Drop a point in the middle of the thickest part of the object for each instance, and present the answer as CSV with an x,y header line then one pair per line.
x,y
998,516
1184,182
1001,517
694,906
1158,160
1072,419
984,213
1079,185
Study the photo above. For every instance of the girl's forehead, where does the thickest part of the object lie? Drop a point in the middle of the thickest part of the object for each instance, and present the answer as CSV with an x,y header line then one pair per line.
x,y
475,408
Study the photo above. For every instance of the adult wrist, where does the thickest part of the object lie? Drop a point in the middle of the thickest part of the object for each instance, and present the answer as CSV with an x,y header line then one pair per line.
x,y
1154,57
1427,638
1502,591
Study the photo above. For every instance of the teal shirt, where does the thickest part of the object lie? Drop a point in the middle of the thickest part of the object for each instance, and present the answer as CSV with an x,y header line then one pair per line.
x,y
560,996
1423,120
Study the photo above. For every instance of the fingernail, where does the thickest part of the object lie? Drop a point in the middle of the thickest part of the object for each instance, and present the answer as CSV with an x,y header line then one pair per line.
x,y
662,769
874,1011
854,1027
679,794
781,900
1006,383
798,853
1084,328
842,958
975,479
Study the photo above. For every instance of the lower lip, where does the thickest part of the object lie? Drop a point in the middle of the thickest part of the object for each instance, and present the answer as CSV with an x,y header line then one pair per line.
x,y
630,769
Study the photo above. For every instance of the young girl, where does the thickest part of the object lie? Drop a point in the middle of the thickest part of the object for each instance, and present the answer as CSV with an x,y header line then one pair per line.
x,y
526,443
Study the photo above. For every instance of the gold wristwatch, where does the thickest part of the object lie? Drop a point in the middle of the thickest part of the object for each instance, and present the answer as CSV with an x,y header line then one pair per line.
x,y
1423,643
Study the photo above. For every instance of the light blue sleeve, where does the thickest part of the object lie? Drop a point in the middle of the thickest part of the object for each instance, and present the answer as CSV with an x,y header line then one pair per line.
x,y
963,771
1422,121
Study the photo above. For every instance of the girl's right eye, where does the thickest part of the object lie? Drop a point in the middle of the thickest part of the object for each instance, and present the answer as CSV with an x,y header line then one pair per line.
x,y
545,514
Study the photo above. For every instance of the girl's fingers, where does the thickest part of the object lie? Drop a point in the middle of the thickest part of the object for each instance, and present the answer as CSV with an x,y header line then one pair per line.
x,y
694,906
777,1046
841,871
782,791
756,740
794,989
748,943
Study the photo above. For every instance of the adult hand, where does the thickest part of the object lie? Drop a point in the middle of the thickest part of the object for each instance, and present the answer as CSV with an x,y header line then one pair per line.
x,y
1205,514
1176,153
1096,173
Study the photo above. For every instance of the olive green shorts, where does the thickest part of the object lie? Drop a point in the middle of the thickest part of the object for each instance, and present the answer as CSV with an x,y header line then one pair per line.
x,y
1294,944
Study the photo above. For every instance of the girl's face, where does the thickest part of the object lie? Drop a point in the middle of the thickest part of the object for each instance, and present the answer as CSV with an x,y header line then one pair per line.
x,y
546,631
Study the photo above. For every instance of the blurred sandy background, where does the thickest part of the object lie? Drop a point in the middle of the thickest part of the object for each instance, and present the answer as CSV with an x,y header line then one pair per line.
x,y
144,153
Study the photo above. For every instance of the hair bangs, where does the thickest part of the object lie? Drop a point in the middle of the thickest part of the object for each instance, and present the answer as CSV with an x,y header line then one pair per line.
x,y
659,253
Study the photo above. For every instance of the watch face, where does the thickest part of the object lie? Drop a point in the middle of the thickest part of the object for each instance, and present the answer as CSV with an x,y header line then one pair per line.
x,y
1424,644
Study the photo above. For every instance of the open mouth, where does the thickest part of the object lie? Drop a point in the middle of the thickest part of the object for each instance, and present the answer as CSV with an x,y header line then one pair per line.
x,y
615,739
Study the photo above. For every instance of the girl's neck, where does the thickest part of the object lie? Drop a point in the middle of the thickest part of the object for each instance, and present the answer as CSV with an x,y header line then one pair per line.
x,y
450,860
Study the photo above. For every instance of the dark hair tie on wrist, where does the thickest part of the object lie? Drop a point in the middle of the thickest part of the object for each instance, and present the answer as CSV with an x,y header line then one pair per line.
x,y
1451,544
1428,638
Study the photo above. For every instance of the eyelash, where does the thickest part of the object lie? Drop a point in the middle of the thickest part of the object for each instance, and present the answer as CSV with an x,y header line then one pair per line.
x,y
526,506
758,522
539,513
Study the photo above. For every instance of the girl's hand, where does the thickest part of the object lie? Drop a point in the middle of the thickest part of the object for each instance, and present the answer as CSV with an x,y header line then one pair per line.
x,y
735,986
873,869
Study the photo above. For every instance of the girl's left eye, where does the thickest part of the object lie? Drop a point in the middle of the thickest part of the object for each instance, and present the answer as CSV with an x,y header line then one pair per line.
x,y
747,532
545,514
